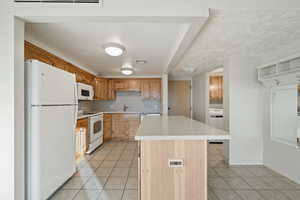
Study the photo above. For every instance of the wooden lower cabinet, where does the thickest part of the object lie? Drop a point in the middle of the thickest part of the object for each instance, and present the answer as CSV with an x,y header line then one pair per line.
x,y
133,125
157,180
124,126
120,129
107,127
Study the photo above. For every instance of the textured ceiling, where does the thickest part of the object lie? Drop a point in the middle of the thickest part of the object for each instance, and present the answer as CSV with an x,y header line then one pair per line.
x,y
250,32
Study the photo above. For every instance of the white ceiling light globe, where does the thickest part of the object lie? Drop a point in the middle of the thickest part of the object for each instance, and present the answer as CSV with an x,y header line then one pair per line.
x,y
127,69
127,72
114,49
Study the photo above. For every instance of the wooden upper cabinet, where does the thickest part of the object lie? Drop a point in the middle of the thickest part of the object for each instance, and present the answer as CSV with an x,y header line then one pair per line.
x,y
155,88
127,84
151,89
146,89
101,89
134,85
216,88
120,84
111,94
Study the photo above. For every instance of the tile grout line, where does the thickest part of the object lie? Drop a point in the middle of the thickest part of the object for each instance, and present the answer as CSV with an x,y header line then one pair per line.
x,y
101,161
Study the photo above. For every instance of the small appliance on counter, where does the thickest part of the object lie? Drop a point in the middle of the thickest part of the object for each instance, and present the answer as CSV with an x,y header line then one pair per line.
x,y
85,92
51,112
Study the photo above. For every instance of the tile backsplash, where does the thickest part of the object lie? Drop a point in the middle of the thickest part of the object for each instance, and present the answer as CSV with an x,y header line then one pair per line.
x,y
85,106
133,100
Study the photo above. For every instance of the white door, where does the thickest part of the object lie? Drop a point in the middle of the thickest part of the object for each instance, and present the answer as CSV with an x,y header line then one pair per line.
x,y
284,119
49,85
52,149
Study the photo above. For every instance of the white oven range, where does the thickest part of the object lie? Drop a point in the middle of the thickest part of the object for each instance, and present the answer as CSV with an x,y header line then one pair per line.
x,y
95,132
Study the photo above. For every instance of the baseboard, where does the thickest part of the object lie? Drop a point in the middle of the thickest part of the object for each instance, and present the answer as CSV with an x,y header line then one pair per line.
x,y
245,162
283,174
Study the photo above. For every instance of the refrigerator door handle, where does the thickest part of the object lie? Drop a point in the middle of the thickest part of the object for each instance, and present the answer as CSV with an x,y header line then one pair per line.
x,y
75,116
75,94
75,106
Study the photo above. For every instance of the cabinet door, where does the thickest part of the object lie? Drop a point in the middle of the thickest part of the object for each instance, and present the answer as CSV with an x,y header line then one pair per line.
x,y
155,87
133,127
189,181
134,85
100,86
146,89
216,88
120,129
111,94
120,84
107,123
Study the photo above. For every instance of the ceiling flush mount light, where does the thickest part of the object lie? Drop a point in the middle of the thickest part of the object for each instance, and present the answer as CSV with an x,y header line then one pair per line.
x,y
127,69
114,49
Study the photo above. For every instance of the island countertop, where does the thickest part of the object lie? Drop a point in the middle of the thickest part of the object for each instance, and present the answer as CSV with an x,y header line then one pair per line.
x,y
177,128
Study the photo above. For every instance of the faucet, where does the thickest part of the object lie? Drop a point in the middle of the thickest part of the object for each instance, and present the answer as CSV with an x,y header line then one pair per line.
x,y
125,108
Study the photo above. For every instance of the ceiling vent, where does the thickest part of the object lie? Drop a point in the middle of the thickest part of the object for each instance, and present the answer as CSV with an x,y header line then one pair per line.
x,y
60,1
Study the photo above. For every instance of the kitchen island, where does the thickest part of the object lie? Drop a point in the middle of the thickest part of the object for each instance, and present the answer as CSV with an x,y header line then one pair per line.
x,y
173,157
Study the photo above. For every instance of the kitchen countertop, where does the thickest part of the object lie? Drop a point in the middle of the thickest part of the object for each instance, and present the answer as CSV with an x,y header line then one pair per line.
x,y
122,112
177,128
82,116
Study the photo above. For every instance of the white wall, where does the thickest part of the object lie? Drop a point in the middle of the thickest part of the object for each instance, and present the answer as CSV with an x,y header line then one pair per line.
x,y
19,109
165,86
199,95
7,103
245,107
280,157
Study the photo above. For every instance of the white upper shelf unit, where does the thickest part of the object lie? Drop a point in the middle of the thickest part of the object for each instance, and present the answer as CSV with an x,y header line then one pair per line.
x,y
290,65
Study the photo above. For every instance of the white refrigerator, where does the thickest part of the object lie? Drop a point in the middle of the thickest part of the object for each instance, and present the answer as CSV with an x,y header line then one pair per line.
x,y
51,112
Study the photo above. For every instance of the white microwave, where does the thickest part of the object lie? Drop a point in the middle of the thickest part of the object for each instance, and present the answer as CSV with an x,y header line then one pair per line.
x,y
85,92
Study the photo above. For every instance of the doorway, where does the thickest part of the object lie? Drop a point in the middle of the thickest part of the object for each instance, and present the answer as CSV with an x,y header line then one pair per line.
x,y
179,97
215,99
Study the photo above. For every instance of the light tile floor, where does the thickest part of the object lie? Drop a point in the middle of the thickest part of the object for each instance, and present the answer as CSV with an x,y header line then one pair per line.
x,y
110,173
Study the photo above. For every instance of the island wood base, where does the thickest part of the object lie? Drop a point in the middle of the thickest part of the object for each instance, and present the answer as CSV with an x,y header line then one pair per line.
x,y
159,181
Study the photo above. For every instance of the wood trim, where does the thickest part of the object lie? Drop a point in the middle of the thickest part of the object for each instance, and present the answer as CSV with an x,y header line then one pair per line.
x,y
34,52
